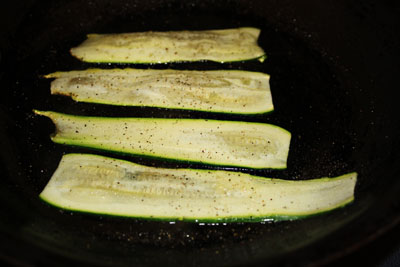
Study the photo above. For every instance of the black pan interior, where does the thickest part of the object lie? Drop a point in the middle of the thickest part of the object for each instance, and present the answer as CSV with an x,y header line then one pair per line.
x,y
337,107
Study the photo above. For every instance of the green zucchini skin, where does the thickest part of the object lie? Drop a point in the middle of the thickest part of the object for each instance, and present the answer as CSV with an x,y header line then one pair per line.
x,y
260,59
222,91
227,45
224,143
102,185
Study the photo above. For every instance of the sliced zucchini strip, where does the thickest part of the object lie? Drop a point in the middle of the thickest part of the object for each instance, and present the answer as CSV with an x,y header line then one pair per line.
x,y
230,143
172,46
102,185
225,91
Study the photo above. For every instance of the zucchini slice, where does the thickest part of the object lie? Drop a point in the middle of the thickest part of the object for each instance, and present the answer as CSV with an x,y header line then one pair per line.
x,y
172,46
225,91
97,184
229,143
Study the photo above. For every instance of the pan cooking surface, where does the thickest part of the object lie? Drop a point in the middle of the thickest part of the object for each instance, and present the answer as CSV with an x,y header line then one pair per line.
x,y
311,100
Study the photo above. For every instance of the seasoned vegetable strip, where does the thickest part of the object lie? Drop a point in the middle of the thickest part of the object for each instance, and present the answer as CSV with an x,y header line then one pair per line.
x,y
104,185
230,143
215,91
171,46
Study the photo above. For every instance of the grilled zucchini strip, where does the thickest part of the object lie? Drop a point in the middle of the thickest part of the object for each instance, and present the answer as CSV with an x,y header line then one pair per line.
x,y
228,143
225,91
225,45
102,185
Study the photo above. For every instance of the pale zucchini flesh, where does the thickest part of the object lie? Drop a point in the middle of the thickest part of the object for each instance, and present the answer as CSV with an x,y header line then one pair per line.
x,y
228,143
224,91
102,185
225,45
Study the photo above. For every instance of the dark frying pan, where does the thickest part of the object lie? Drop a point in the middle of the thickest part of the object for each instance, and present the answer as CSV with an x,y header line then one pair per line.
x,y
333,66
